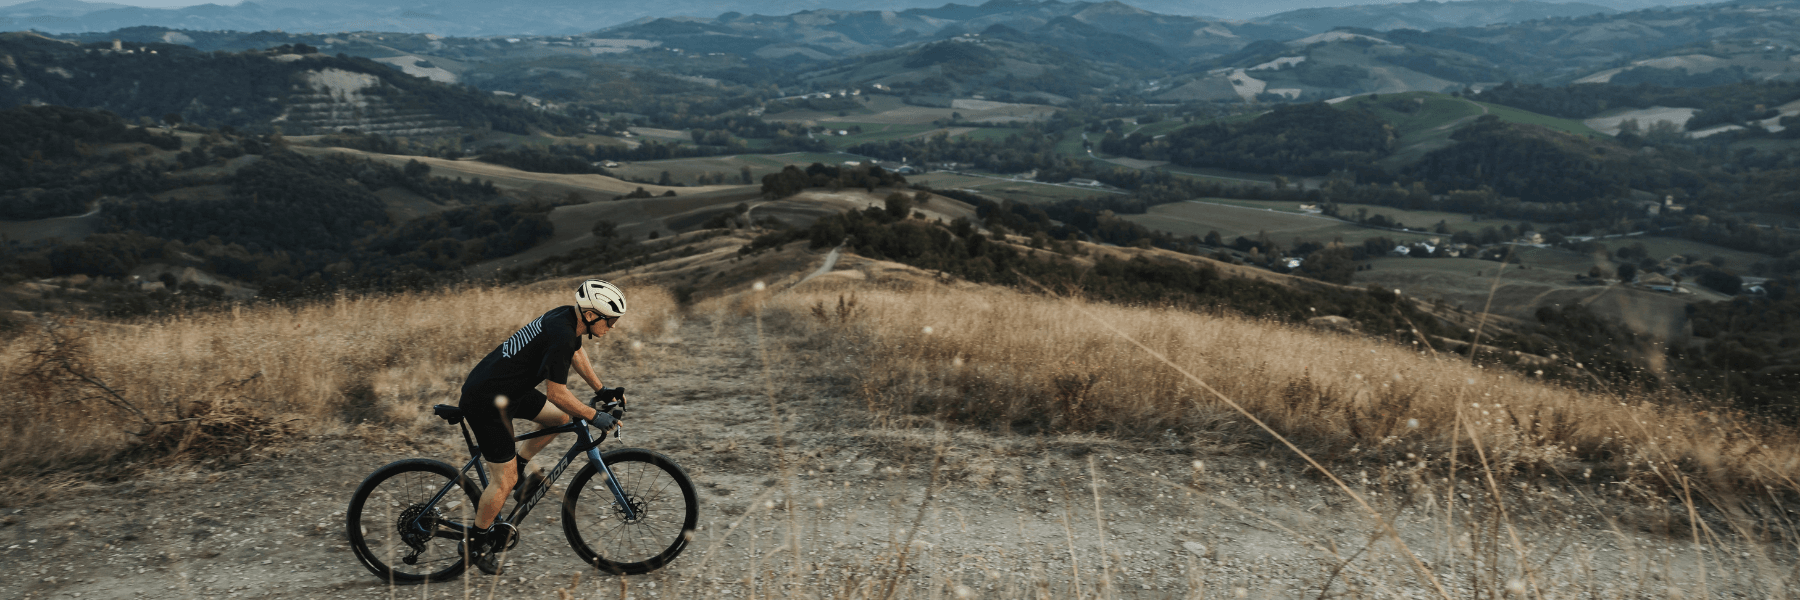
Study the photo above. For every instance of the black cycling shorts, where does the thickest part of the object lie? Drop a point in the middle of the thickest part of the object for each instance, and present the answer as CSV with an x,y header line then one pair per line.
x,y
492,426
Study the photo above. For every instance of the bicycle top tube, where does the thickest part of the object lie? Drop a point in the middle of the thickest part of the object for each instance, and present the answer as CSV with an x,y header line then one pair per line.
x,y
569,427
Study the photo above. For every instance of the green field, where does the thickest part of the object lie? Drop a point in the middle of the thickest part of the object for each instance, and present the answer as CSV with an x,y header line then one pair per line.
x,y
874,132
1163,127
1071,143
1514,115
992,133
1006,189
1219,174
1412,219
1661,248
1234,218
1424,111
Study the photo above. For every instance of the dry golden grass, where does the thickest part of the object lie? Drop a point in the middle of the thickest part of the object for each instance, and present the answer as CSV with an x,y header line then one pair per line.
x,y
1000,360
1009,360
310,368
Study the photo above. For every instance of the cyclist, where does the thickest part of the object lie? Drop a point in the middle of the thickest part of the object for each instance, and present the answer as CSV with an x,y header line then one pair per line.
x,y
504,387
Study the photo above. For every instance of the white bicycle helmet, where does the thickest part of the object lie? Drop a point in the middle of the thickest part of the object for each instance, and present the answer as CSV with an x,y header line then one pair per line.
x,y
601,297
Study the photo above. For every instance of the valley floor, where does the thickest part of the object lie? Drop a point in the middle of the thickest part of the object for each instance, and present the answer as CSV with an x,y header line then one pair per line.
x,y
1007,516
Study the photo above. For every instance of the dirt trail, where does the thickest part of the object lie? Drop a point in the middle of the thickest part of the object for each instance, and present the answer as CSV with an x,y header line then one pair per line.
x,y
1007,508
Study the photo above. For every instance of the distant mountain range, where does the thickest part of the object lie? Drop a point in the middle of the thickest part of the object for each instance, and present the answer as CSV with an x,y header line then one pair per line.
x,y
1052,51
562,17
1426,15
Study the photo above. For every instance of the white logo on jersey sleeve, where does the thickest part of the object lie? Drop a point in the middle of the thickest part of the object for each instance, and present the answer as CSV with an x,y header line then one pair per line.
x,y
521,338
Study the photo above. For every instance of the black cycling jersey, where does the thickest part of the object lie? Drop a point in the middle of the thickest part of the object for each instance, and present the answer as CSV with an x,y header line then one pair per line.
x,y
540,351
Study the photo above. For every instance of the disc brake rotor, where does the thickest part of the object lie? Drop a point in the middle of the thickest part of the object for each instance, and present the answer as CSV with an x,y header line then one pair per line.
x,y
637,506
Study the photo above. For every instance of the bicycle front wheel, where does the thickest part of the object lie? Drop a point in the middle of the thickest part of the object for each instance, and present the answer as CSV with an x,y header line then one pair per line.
x,y
398,532
663,500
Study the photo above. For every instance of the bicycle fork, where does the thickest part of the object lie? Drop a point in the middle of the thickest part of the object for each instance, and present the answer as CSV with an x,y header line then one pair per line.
x,y
612,484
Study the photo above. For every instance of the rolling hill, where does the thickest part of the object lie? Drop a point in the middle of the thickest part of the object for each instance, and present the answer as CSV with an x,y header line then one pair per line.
x,y
293,87
1428,15
823,34
1758,37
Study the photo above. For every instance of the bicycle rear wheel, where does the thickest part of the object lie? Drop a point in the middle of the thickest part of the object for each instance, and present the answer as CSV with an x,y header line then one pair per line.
x,y
660,493
382,515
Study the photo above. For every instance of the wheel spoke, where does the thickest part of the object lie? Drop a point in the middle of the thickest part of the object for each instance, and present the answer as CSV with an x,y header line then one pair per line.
x,y
389,504
659,496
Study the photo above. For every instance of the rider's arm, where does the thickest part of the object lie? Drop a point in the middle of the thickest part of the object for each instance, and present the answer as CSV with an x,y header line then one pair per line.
x,y
560,396
586,369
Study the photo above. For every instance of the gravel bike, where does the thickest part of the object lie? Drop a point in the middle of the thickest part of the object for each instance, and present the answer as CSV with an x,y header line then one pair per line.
x,y
627,511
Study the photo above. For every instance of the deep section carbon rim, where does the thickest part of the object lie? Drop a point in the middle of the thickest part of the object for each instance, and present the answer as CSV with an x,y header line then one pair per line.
x,y
391,523
662,498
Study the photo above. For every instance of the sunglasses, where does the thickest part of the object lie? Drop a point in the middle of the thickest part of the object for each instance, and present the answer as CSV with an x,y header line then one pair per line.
x,y
610,321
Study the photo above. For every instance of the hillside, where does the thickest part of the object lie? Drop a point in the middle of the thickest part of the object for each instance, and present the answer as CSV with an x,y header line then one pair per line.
x,y
293,87
1156,56
866,411
1756,38
839,33
1426,16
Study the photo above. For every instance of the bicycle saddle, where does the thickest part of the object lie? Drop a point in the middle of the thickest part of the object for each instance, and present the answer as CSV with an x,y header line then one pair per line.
x,y
450,413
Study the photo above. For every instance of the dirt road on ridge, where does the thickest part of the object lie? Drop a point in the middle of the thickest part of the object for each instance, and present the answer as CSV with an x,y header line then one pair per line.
x,y
1008,509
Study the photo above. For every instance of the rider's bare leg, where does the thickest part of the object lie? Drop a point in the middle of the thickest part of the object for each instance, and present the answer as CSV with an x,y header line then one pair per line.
x,y
551,416
506,475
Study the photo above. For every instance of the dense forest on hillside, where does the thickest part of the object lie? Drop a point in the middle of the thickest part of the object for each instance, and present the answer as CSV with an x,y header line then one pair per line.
x,y
55,161
246,90
1305,139
1536,165
287,224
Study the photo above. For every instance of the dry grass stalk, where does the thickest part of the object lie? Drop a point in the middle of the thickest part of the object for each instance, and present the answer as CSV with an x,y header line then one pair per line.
x,y
224,381
1011,361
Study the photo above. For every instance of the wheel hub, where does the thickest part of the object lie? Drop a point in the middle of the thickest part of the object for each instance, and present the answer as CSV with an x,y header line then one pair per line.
x,y
638,507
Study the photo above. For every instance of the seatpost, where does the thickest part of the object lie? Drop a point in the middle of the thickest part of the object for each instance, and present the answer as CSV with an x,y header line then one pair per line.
x,y
474,450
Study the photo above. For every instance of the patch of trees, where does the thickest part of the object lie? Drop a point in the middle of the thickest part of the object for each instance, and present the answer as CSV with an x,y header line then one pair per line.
x,y
1747,349
296,226
284,202
1305,139
1531,163
453,239
1032,149
1738,234
538,160
953,58
792,180
54,161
